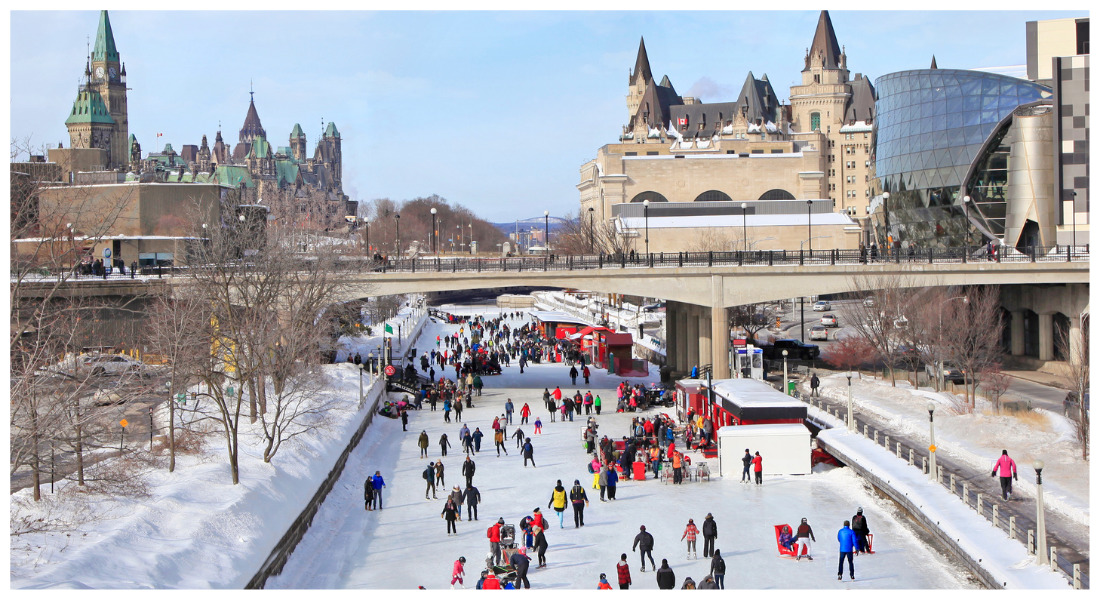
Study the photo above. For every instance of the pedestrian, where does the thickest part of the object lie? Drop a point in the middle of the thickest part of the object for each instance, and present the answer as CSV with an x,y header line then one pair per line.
x,y
491,581
1006,468
538,425
689,584
814,383
477,435
422,441
524,413
557,502
429,476
611,482
494,540
509,408
368,494
450,514
710,533
758,467
439,473
529,452
447,410
689,533
518,434
707,583
860,528
805,535
377,483
540,543
677,467
404,420
847,539
586,374
623,569
666,579
644,541
478,384
498,441
603,585
458,572
521,563
573,375
596,403
444,443
747,461
579,499
473,498
718,569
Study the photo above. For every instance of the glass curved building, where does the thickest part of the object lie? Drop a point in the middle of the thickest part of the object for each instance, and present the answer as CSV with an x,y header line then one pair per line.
x,y
941,135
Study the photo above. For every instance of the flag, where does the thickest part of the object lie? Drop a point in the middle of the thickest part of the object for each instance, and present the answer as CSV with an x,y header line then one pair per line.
x,y
388,329
160,134
683,121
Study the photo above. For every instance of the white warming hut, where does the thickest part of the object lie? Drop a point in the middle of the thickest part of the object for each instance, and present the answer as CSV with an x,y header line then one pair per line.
x,y
785,448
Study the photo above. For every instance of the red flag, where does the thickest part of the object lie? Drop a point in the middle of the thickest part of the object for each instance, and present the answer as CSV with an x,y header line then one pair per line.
x,y
683,121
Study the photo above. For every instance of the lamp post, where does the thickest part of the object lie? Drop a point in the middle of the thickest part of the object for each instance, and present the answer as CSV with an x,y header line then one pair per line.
x,y
373,368
470,238
591,230
397,219
546,230
435,235
851,420
931,441
1073,207
809,226
966,224
366,231
939,342
784,371
362,367
645,211
744,225
1040,518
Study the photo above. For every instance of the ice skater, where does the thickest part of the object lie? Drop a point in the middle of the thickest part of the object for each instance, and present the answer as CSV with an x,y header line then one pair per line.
x,y
689,533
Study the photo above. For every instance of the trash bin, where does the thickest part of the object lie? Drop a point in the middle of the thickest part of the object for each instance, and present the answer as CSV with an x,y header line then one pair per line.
x,y
790,388
639,471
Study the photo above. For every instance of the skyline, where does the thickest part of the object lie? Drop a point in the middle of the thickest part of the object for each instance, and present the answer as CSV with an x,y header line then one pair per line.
x,y
439,118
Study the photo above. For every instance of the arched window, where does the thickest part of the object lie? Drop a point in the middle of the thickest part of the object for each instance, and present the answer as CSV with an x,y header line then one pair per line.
x,y
777,194
713,196
815,121
651,196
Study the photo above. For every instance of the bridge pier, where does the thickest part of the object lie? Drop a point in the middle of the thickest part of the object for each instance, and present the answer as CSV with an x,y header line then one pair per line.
x,y
720,342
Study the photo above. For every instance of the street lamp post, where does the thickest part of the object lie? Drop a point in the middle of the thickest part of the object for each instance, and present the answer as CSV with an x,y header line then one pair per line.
x,y
591,230
373,367
886,211
435,235
397,218
784,371
645,211
931,441
366,236
1040,517
966,224
470,238
362,367
744,225
809,226
546,230
1073,208
851,420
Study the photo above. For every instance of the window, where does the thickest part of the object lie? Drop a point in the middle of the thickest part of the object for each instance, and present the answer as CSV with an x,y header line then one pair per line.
x,y
651,153
815,118
713,196
777,194
632,154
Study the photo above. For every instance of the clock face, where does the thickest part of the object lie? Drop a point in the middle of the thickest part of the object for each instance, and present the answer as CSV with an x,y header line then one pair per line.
x,y
99,72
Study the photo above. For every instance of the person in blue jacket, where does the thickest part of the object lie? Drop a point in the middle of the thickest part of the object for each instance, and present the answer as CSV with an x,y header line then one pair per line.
x,y
847,539
377,484
612,481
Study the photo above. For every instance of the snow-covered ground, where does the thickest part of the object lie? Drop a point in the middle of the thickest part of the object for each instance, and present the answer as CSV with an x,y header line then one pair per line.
x,y
405,544
977,438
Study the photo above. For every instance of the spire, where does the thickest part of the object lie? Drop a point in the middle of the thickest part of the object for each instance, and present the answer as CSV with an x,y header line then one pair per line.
x,y
933,62
641,66
104,50
252,126
824,44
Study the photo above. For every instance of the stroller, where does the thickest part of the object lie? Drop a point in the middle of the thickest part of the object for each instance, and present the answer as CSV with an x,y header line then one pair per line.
x,y
506,572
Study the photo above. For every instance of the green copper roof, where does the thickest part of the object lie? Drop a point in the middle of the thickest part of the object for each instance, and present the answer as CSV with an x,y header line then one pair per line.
x,y
297,132
89,108
286,172
167,148
331,131
104,49
260,147
233,176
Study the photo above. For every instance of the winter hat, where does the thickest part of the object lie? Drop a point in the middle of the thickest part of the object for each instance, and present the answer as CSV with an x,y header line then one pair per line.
x,y
536,509
710,516
559,482
1004,452
603,575
624,556
576,482
462,559
693,520
859,511
664,562
803,519
643,528
500,520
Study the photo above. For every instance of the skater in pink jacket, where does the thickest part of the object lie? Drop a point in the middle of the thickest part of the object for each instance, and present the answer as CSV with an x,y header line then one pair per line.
x,y
1006,468
459,572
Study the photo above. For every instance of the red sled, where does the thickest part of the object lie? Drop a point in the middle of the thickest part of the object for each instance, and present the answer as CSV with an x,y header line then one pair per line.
x,y
783,551
870,544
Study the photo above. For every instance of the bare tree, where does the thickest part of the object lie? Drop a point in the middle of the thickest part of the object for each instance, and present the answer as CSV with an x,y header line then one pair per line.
x,y
973,338
588,235
753,318
1077,374
849,353
877,313
995,382
712,239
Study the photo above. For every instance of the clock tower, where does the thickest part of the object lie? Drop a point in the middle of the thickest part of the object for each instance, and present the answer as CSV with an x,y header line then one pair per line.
x,y
109,79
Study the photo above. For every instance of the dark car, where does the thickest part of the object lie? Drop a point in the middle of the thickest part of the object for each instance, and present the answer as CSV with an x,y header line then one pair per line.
x,y
795,350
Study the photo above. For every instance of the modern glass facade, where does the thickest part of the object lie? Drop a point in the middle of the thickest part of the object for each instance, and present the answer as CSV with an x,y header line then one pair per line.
x,y
930,128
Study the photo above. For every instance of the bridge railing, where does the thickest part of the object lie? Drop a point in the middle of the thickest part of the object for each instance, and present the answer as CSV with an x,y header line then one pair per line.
x,y
960,255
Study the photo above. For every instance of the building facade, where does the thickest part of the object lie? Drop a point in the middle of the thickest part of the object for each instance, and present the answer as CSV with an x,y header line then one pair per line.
x,y
707,159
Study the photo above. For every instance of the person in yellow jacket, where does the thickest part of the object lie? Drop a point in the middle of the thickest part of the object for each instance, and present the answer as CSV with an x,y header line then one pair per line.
x,y
558,502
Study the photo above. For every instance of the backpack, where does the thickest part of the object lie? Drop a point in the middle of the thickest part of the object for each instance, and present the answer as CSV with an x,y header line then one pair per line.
x,y
489,533
428,473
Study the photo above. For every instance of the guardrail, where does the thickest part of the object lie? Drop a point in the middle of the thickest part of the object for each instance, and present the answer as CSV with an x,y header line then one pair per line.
x,y
959,486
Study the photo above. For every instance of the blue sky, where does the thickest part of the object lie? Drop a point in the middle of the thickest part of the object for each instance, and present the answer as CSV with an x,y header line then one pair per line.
x,y
493,110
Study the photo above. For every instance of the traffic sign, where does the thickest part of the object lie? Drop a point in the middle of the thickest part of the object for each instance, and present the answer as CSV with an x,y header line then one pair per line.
x,y
390,370
932,448
124,422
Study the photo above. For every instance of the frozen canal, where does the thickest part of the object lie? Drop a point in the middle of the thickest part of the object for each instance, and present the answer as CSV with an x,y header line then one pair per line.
x,y
406,545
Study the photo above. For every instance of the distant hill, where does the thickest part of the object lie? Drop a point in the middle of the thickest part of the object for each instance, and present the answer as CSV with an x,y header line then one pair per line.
x,y
555,223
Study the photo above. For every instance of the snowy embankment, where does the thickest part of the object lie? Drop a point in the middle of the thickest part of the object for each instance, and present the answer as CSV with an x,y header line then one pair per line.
x,y
1006,560
191,528
977,438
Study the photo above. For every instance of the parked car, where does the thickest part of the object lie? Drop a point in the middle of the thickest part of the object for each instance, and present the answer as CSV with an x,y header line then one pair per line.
x,y
951,372
829,320
869,301
655,307
795,350
95,363
822,305
819,332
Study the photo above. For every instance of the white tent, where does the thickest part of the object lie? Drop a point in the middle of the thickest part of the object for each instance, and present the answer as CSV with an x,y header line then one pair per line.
x,y
785,448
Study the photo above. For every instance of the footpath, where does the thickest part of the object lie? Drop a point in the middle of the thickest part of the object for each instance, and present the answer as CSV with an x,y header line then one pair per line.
x,y
977,489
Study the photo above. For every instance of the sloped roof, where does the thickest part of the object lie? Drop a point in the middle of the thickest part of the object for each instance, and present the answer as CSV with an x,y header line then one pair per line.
x,y
331,130
260,148
759,98
861,106
233,176
933,62
252,126
641,65
104,49
286,171
89,108
824,44
297,132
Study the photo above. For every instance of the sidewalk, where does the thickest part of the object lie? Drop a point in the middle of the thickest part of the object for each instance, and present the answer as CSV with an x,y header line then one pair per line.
x,y
1041,378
